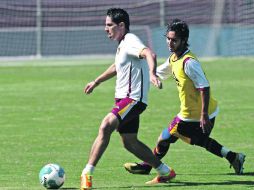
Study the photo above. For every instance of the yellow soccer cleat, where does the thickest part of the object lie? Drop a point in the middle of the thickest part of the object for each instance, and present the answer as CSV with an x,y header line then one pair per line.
x,y
86,182
138,168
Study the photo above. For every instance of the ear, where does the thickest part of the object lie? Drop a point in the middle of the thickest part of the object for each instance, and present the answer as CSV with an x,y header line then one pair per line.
x,y
184,41
122,24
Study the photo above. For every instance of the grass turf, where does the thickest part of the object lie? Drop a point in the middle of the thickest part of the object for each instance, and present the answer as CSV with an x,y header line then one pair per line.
x,y
45,117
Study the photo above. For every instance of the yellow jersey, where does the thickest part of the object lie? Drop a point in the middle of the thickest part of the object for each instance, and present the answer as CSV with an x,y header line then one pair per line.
x,y
189,95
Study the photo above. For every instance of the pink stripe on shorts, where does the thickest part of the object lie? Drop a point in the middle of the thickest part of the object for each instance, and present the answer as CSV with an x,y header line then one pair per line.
x,y
122,107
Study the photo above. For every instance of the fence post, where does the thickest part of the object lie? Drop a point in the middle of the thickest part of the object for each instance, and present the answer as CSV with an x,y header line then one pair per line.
x,y
162,13
38,28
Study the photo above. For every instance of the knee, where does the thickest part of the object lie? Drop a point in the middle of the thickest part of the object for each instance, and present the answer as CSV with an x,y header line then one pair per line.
x,y
104,130
163,142
107,127
165,139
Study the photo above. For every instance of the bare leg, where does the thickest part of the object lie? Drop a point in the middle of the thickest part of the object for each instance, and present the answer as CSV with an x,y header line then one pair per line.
x,y
108,125
139,149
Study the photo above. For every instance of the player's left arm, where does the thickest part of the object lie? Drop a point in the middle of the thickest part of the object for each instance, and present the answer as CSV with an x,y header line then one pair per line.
x,y
164,71
195,72
152,63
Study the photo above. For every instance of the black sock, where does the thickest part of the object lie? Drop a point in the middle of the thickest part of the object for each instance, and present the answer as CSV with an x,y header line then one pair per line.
x,y
212,146
161,150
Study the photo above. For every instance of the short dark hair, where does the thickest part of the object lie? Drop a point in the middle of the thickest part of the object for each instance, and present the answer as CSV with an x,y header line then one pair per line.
x,y
119,15
180,28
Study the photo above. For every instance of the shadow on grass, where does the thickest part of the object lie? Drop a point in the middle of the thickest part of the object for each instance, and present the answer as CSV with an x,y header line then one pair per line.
x,y
182,183
118,187
176,183
215,174
249,174
244,174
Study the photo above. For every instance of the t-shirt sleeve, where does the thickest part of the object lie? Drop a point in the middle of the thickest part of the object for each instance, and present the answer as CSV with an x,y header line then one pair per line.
x,y
194,71
135,45
163,71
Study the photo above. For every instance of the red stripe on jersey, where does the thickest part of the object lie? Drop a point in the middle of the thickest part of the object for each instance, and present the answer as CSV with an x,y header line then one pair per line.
x,y
129,91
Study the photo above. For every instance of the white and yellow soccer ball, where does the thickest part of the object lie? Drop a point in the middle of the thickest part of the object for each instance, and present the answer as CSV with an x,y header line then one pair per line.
x,y
52,176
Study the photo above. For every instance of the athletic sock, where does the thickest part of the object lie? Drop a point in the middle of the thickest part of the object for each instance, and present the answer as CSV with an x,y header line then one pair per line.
x,y
213,146
160,151
224,151
89,169
229,155
163,169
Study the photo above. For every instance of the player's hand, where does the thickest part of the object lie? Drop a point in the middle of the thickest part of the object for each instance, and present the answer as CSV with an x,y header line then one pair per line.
x,y
205,124
156,82
89,87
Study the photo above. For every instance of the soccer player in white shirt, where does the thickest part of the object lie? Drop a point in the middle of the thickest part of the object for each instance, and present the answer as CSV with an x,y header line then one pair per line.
x,y
133,76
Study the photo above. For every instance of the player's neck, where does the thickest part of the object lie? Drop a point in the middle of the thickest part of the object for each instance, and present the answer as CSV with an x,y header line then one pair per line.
x,y
180,52
126,32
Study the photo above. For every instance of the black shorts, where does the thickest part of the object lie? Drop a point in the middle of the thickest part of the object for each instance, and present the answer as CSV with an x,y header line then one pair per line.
x,y
190,132
127,111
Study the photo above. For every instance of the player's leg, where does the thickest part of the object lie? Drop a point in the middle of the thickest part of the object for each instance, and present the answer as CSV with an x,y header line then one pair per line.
x,y
161,149
141,151
212,146
108,125
128,129
165,139
235,159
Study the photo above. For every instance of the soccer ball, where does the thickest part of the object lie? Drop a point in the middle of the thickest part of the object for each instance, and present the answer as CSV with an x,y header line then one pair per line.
x,y
52,176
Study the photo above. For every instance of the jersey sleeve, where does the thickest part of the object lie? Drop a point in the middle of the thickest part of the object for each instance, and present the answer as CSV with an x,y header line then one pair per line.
x,y
135,45
163,71
194,71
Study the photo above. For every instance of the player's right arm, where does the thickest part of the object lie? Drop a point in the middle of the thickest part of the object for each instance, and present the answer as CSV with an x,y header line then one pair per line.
x,y
109,73
152,64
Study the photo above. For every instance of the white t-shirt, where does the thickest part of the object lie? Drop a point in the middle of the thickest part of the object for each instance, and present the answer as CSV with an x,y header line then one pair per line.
x,y
132,79
192,69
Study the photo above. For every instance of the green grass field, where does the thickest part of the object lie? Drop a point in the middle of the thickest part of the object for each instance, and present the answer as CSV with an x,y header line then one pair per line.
x,y
45,117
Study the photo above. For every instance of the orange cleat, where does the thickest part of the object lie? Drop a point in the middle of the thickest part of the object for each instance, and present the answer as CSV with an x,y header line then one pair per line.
x,y
85,182
162,179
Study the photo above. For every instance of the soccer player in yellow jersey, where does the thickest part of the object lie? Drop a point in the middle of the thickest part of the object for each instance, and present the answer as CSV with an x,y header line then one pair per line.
x,y
195,121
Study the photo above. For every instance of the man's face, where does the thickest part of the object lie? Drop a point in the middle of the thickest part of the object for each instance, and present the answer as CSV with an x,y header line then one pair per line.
x,y
175,44
112,29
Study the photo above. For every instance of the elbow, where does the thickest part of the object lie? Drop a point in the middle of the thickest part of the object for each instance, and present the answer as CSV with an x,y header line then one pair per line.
x,y
147,52
154,55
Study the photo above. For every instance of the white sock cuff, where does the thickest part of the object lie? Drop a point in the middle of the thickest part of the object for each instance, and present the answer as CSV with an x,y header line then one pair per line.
x,y
88,169
163,169
224,151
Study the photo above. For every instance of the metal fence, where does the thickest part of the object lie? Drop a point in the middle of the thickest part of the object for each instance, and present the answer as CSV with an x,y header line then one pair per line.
x,y
64,28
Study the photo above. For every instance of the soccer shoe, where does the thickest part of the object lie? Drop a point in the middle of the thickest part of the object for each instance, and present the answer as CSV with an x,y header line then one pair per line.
x,y
162,179
136,168
238,163
85,182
